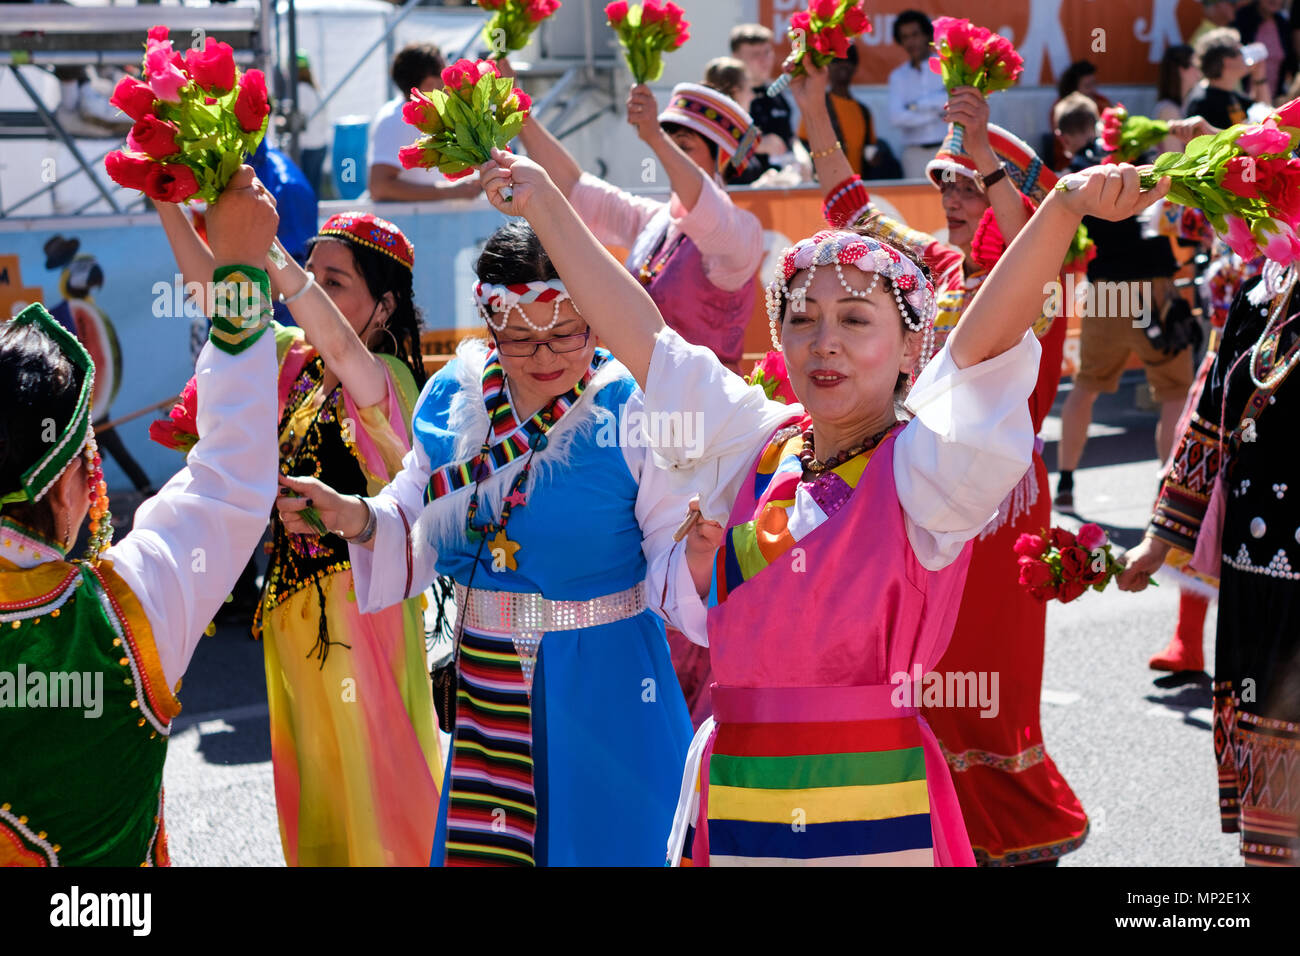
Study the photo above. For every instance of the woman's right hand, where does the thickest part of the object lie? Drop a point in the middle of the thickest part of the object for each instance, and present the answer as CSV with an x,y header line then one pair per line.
x,y
1142,562
809,90
1111,192
702,543
518,177
339,513
241,224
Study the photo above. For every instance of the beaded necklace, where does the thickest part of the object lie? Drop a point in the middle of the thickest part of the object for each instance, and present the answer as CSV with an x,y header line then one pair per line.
x,y
812,466
655,262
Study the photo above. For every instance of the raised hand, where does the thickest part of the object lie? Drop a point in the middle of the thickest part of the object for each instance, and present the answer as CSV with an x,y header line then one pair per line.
x,y
513,183
643,112
241,224
967,106
1110,192
809,90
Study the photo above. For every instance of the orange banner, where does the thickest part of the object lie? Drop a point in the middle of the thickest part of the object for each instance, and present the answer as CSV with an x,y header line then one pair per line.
x,y
1124,38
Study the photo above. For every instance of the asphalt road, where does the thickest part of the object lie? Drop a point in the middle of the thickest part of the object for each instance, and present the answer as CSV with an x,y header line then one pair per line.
x,y
1137,751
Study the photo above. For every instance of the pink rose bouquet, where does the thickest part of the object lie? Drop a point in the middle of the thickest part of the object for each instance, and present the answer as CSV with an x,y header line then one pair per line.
x,y
1060,564
196,118
476,111
646,31
824,31
513,23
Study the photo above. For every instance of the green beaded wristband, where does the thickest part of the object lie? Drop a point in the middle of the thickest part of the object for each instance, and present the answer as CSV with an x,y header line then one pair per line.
x,y
241,307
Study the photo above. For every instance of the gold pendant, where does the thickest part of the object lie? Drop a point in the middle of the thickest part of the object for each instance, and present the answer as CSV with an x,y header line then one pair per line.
x,y
503,552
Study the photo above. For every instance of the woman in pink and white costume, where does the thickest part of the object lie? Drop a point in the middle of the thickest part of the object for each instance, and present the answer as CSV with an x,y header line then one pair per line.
x,y
876,589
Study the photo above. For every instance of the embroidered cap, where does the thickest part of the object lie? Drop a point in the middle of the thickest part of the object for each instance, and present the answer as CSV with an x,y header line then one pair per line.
x,y
1022,164
715,116
37,479
373,233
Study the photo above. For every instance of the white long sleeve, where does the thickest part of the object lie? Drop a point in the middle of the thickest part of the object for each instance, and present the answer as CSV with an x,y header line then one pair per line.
x,y
717,424
190,542
972,439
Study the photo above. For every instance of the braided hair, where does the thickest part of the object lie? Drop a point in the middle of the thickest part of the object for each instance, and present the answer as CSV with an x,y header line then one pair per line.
x,y
384,274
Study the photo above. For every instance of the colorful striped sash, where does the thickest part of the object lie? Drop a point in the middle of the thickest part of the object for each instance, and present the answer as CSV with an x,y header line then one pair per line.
x,y
513,437
815,776
491,803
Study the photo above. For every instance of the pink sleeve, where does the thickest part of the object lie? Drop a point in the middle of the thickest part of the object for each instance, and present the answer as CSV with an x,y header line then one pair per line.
x,y
380,437
729,239
614,216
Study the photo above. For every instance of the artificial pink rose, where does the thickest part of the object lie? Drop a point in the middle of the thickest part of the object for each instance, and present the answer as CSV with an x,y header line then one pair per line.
x,y
127,169
252,104
133,98
1047,592
420,154
1242,175
165,78
468,171
676,16
974,54
1278,241
539,10
1263,139
652,12
1030,546
170,182
616,12
459,74
158,34
681,39
518,101
1288,114
153,137
1239,238
855,20
420,113
801,22
213,67
1281,189
1091,536
824,10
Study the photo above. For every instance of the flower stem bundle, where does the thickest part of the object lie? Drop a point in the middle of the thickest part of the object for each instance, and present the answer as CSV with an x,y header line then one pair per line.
x,y
646,31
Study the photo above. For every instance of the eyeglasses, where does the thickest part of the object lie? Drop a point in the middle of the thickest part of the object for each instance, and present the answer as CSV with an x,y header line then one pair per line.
x,y
559,345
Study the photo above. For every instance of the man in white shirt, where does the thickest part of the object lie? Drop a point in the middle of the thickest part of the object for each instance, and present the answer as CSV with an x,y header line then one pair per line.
x,y
417,66
916,94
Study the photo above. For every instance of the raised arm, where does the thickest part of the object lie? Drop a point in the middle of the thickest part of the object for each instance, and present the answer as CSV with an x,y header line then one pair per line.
x,y
193,257
829,162
966,105
687,179
362,373
611,301
190,541
1011,299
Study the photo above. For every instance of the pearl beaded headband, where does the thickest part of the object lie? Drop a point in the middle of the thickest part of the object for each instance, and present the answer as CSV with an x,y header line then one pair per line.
x,y
867,255
504,299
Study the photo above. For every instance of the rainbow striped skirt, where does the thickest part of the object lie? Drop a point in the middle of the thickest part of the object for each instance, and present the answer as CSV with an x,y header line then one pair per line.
x,y
805,776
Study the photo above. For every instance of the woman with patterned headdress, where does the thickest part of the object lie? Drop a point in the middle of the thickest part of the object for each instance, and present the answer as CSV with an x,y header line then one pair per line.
x,y
92,652
841,567
1017,805
532,484
354,743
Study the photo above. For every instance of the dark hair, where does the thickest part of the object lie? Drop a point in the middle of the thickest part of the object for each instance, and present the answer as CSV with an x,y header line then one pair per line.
x,y
1214,47
748,33
1074,73
726,75
384,274
871,230
913,16
413,63
1170,84
38,383
670,128
513,254
850,57
1075,114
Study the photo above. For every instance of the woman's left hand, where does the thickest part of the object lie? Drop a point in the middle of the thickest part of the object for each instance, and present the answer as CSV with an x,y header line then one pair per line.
x,y
513,183
702,543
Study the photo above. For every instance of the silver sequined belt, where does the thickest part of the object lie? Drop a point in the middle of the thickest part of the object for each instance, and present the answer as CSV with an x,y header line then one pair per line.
x,y
510,612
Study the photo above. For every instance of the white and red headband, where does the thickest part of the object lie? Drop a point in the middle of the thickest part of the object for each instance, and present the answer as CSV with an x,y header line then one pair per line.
x,y
866,254
503,299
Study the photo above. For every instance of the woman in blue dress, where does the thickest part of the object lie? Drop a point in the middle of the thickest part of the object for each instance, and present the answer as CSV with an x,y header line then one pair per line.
x,y
532,484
